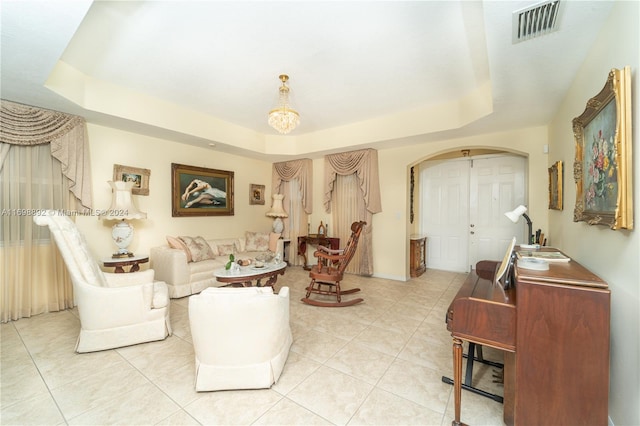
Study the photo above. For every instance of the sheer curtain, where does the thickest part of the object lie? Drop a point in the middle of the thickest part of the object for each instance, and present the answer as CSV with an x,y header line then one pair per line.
x,y
352,187
34,278
44,164
293,179
297,222
347,195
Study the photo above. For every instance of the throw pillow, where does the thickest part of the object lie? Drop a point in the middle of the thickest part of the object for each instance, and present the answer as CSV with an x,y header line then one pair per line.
x,y
257,241
273,241
177,243
198,248
226,249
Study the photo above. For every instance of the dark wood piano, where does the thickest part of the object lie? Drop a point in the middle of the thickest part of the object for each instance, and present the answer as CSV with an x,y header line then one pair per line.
x,y
554,328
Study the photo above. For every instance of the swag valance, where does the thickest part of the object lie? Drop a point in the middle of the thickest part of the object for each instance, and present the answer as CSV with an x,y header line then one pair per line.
x,y
365,164
297,169
67,134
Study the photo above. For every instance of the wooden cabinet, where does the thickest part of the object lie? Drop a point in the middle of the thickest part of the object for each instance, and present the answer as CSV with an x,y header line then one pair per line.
x,y
418,255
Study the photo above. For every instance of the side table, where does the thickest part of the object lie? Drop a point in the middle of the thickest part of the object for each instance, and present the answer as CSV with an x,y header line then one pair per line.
x,y
120,262
418,256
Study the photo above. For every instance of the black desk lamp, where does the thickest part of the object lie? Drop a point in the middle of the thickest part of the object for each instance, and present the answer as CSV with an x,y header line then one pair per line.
x,y
514,216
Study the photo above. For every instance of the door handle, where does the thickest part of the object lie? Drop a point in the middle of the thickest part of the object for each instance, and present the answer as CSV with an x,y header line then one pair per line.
x,y
472,233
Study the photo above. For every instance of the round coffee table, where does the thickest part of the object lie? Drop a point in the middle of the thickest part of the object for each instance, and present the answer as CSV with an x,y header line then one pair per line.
x,y
246,275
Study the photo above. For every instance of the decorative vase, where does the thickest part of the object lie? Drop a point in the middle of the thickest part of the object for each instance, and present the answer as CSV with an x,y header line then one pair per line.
x,y
122,234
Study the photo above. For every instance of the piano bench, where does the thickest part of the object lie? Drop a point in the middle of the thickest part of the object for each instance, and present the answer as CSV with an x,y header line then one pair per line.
x,y
487,269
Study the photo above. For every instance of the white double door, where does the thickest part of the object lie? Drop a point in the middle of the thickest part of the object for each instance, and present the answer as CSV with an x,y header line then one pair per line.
x,y
462,206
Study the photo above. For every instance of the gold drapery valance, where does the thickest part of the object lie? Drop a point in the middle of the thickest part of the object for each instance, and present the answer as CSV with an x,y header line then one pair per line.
x,y
365,164
67,134
297,169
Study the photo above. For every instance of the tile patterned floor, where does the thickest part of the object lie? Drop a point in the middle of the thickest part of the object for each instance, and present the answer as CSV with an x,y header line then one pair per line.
x,y
376,363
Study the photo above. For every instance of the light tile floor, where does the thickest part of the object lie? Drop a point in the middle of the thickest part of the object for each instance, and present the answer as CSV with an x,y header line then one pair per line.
x,y
376,363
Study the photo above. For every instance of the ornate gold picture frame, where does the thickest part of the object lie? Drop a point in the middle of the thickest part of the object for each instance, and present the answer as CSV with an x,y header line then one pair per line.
x,y
198,191
556,182
140,178
602,168
256,194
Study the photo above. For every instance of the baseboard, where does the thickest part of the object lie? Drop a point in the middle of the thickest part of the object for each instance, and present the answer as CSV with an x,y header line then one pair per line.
x,y
390,277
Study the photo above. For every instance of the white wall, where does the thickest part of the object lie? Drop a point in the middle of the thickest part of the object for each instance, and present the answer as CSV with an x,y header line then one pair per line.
x,y
110,146
612,255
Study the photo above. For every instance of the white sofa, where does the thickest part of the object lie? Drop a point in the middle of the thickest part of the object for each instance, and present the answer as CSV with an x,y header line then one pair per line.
x,y
185,277
241,337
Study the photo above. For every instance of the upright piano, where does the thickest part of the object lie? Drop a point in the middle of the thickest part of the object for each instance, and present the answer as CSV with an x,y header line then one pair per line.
x,y
553,327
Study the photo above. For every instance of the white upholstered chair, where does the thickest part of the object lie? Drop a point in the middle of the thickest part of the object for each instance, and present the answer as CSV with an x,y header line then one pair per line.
x,y
241,337
115,309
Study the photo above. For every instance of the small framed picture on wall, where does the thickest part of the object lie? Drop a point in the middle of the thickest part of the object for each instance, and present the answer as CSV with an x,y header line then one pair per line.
x,y
256,194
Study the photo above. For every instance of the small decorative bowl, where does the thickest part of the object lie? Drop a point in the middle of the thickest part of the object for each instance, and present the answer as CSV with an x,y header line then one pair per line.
x,y
265,257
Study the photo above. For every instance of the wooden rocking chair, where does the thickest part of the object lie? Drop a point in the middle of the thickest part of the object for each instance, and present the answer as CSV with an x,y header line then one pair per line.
x,y
330,269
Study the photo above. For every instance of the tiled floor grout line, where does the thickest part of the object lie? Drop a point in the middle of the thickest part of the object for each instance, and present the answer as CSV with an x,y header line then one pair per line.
x,y
38,369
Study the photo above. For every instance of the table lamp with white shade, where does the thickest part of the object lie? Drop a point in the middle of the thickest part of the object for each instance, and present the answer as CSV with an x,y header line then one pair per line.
x,y
277,212
122,209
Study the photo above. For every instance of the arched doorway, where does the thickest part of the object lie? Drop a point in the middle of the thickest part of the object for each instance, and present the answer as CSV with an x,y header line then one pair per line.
x,y
462,201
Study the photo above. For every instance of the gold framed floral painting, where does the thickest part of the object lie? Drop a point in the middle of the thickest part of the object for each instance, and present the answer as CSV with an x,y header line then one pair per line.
x,y
602,168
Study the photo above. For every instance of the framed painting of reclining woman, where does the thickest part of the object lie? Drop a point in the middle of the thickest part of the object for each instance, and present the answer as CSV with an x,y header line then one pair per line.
x,y
198,191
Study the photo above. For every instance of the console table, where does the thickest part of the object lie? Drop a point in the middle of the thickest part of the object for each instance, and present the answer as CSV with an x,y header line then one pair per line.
x,y
315,240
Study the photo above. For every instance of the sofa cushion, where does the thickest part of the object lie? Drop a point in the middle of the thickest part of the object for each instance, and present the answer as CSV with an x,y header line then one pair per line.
x,y
198,248
257,241
273,241
235,242
207,266
177,243
226,249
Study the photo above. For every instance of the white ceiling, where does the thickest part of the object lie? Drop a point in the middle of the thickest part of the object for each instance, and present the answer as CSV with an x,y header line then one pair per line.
x,y
348,62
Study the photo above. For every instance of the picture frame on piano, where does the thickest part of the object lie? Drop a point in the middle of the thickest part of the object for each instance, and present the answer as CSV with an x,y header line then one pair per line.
x,y
504,274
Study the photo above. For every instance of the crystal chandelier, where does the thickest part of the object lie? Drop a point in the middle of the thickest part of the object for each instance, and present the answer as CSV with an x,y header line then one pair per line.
x,y
283,118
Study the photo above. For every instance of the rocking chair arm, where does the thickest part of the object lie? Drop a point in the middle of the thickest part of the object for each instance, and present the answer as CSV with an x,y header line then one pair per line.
x,y
327,250
326,256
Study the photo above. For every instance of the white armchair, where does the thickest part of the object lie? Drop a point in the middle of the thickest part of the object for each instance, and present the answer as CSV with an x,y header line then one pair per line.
x,y
115,309
241,337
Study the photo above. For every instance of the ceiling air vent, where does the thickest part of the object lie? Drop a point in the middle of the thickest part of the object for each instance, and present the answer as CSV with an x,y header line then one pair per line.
x,y
537,20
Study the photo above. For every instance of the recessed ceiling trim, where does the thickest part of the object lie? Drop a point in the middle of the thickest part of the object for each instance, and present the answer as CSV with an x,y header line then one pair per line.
x,y
535,21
